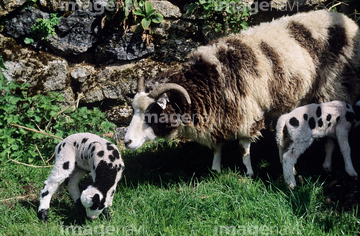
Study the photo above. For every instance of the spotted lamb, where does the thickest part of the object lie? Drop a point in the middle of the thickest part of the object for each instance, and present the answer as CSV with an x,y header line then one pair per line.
x,y
296,131
75,156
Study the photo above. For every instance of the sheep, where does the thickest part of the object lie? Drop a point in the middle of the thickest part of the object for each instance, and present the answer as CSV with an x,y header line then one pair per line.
x,y
297,130
236,86
75,156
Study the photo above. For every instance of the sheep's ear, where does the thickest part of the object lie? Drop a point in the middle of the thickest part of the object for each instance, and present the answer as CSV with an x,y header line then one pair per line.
x,y
96,198
162,102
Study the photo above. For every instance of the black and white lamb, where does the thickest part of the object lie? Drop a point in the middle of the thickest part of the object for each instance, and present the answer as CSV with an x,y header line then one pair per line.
x,y
75,156
297,130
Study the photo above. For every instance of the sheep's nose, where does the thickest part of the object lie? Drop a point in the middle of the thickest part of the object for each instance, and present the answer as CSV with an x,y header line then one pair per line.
x,y
127,142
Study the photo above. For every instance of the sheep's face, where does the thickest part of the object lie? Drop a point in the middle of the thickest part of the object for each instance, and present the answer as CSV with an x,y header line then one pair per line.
x,y
93,201
139,130
152,118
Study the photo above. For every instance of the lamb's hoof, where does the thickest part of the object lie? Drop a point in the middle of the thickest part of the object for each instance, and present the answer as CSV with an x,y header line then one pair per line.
x,y
43,214
106,214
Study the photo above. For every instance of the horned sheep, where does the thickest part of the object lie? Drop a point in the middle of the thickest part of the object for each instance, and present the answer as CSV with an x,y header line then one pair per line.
x,y
75,156
297,130
232,87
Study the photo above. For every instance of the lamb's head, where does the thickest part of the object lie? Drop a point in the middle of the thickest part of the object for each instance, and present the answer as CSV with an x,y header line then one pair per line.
x,y
152,117
93,201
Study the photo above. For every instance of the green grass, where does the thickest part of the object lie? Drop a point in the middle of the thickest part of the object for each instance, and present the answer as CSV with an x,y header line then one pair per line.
x,y
168,190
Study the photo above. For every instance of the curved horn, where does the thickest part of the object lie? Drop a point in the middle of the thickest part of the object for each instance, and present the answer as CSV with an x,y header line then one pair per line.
x,y
141,85
163,88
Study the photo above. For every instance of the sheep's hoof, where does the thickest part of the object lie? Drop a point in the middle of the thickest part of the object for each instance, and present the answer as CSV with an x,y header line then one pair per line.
x,y
43,214
106,214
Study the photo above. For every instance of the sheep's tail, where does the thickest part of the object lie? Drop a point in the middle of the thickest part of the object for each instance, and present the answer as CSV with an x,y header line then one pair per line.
x,y
280,126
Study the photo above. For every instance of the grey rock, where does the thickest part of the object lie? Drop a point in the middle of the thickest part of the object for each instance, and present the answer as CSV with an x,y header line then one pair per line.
x,y
43,71
21,24
7,6
166,8
119,134
123,47
81,73
120,115
75,33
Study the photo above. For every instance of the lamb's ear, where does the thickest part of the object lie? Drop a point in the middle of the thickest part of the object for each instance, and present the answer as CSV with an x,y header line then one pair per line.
x,y
162,102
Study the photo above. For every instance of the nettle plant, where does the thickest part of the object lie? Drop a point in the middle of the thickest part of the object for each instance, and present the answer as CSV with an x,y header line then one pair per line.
x,y
223,16
29,124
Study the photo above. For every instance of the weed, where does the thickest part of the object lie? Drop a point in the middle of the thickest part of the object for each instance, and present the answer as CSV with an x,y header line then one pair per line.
x,y
223,16
42,114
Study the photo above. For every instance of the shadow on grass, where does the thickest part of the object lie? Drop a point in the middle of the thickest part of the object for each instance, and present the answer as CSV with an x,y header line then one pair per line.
x,y
163,163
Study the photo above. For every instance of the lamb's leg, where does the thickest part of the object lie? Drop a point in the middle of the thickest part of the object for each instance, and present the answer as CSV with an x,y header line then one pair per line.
x,y
216,165
246,157
289,160
61,171
73,184
343,140
329,149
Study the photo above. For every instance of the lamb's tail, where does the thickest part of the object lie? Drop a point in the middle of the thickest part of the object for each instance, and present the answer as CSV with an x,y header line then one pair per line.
x,y
280,126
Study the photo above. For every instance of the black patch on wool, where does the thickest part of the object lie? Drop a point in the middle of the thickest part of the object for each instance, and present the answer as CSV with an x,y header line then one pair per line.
x,y
66,165
61,146
92,150
329,124
66,182
105,179
337,119
75,143
115,155
312,123
112,193
97,204
44,194
294,122
110,146
350,116
305,117
100,154
328,117
161,121
320,122
84,140
347,106
318,111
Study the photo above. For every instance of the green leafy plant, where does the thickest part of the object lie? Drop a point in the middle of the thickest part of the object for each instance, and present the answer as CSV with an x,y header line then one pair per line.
x,y
223,16
44,28
29,125
2,67
146,15
131,13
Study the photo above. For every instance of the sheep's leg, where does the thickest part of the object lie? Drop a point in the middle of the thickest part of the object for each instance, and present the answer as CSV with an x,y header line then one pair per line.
x,y
73,184
343,140
289,160
61,171
216,165
329,149
246,156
